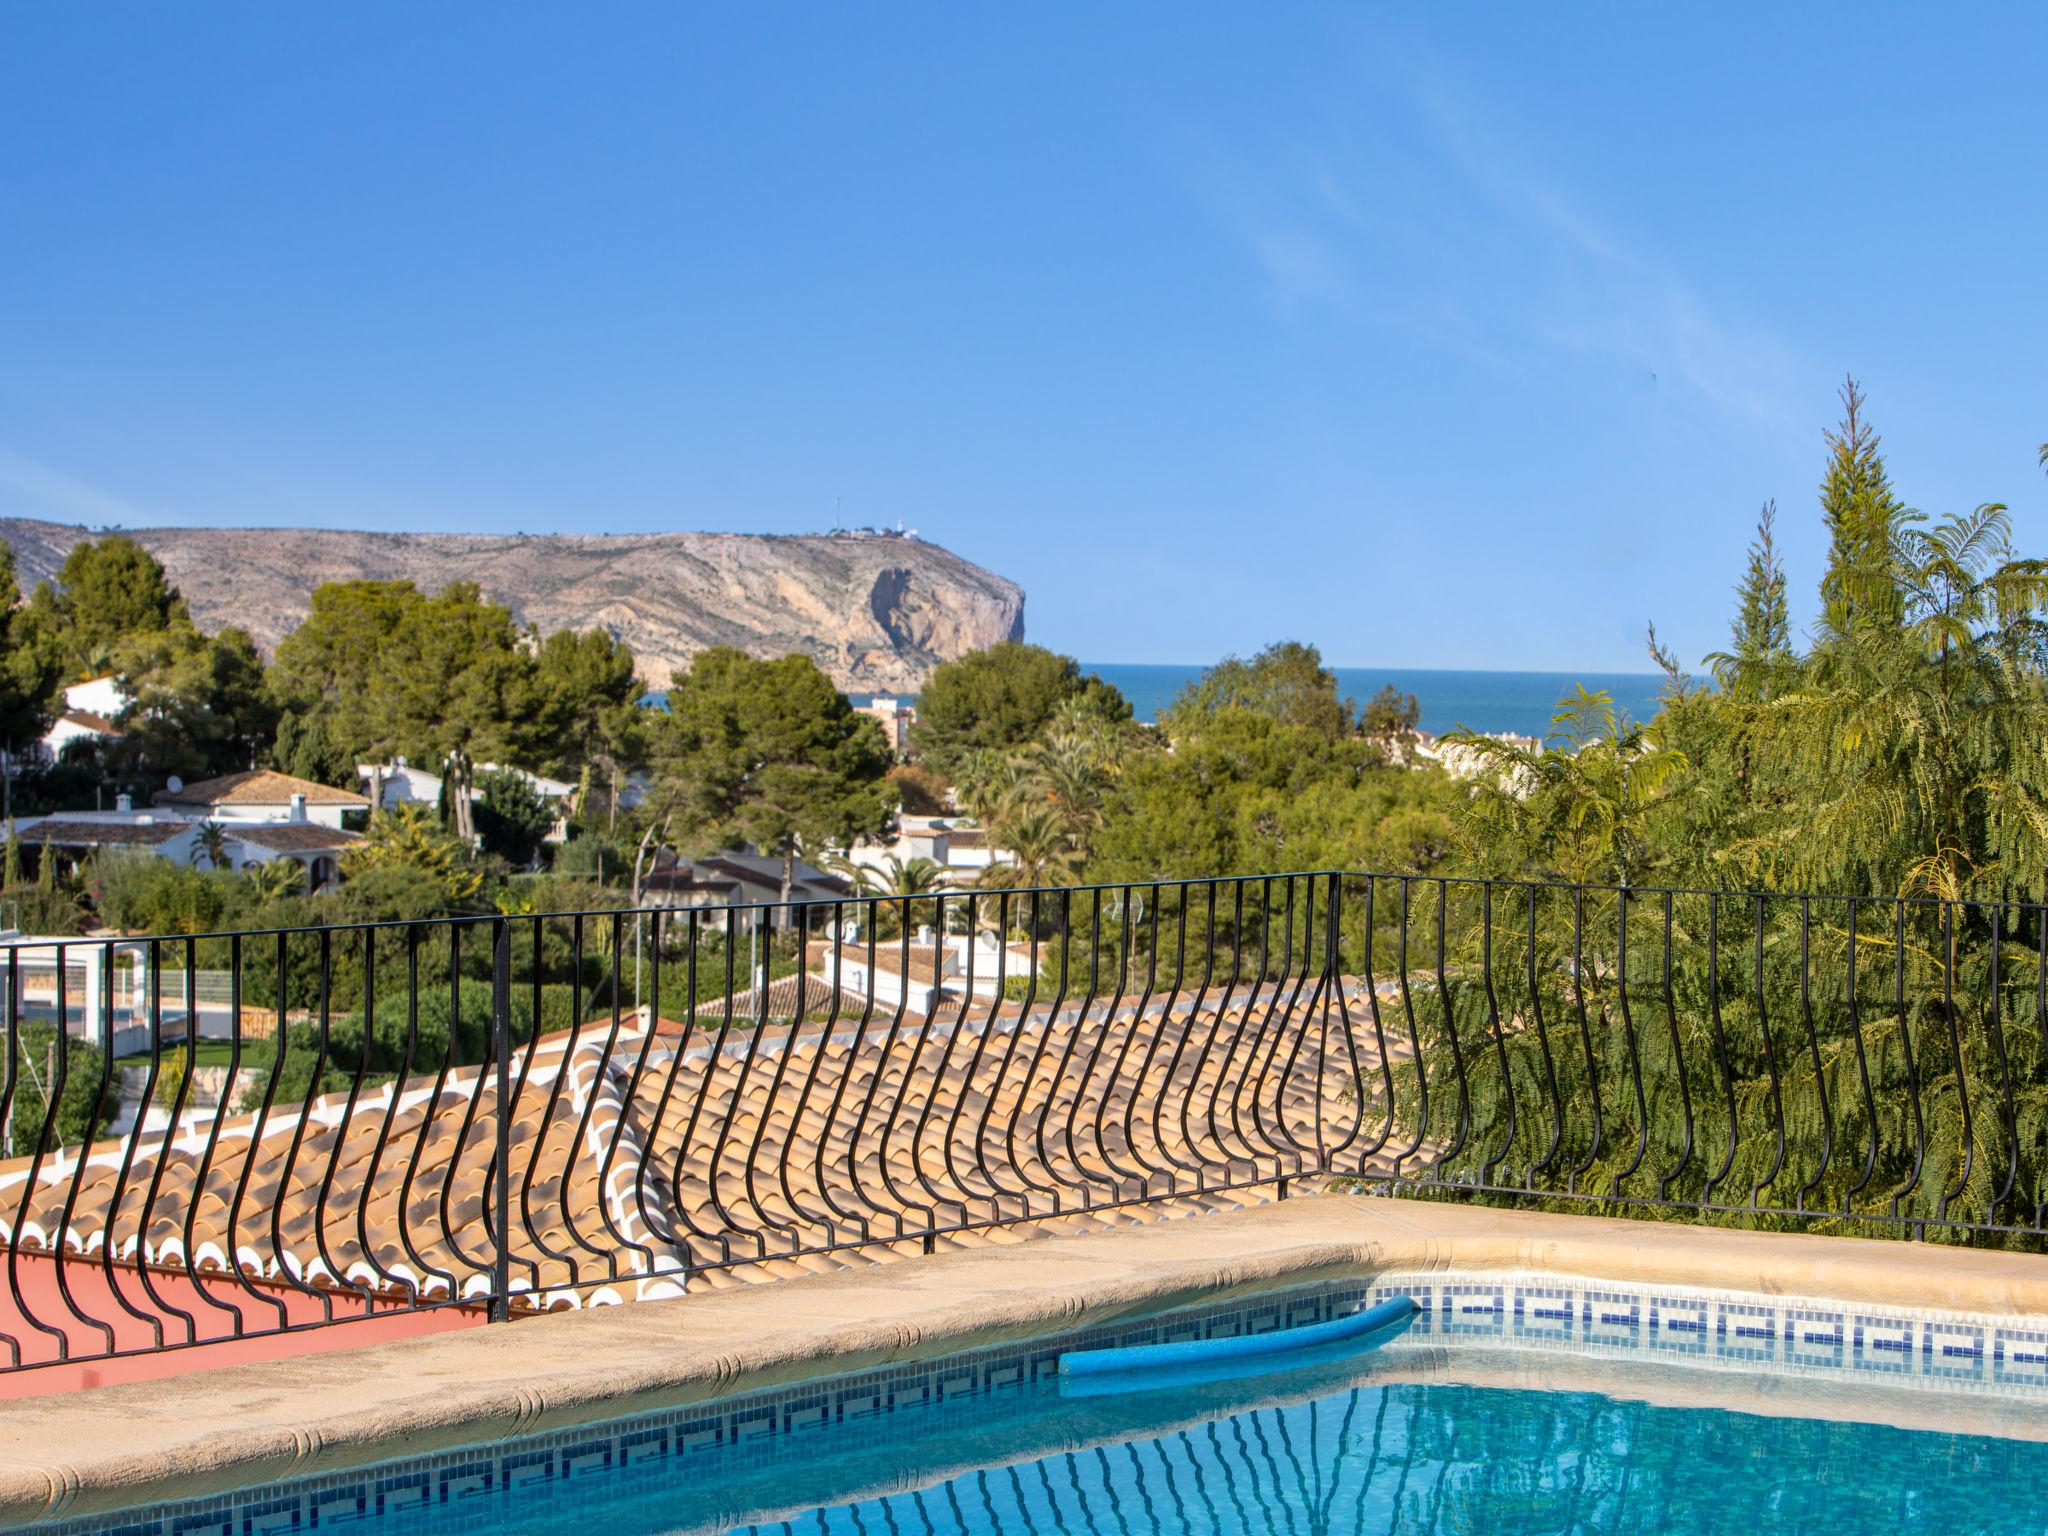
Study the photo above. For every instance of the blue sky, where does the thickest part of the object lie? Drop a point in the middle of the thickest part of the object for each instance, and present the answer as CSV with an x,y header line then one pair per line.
x,y
1436,336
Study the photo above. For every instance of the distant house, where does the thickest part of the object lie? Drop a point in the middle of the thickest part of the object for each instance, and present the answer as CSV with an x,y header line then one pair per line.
x,y
956,844
896,718
260,794
89,712
735,879
398,783
178,836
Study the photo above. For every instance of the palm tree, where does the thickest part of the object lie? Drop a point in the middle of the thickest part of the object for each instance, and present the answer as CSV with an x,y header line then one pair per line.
x,y
213,842
1038,851
279,879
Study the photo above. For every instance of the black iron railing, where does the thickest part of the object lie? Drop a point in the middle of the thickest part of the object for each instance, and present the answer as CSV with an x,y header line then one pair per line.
x,y
222,1137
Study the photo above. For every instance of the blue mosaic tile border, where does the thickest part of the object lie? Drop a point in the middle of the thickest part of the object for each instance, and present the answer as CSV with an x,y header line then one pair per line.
x,y
466,1489
1949,1352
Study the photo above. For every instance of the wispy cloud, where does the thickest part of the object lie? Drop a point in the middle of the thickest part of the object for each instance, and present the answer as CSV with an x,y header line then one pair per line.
x,y
1417,207
37,489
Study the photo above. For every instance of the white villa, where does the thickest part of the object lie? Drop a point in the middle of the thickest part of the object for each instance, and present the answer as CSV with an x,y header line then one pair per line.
x,y
733,879
89,712
263,816
398,783
956,844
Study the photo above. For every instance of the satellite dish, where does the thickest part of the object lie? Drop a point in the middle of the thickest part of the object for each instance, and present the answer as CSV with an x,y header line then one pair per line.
x,y
174,784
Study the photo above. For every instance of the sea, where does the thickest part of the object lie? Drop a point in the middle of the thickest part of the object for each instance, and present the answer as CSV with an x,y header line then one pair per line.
x,y
1493,702
1496,703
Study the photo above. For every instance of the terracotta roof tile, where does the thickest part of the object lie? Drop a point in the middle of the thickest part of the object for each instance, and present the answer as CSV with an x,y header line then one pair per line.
x,y
259,786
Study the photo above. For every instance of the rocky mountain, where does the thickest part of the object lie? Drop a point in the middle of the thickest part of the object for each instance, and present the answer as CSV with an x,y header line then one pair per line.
x,y
878,611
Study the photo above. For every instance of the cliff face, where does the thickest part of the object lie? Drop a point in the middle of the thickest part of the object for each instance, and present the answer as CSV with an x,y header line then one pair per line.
x,y
878,612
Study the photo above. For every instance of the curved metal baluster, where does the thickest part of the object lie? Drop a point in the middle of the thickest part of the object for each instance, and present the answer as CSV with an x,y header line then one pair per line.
x,y
1273,1031
970,1077
932,1198
1628,1035
1820,1076
1763,1024
1050,1185
1443,992
903,1206
384,1121
145,1261
1252,1025
51,1093
736,1103
820,1178
1334,964
628,1096
543,1127
291,1276
1955,1042
2040,1036
1592,1156
204,1172
1500,1045
674,1226
1862,1074
1677,1064
1109,1020
1161,1143
1550,1086
337,1272
538,1247
472,1100
1414,1038
764,990
1218,1022
942,1080
993,1097
1720,1048
403,1218
1297,1011
1120,1077
1379,1032
1995,1027
1906,1047
106,1330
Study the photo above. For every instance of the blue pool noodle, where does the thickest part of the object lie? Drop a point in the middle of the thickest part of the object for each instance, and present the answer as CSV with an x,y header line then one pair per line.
x,y
1149,1357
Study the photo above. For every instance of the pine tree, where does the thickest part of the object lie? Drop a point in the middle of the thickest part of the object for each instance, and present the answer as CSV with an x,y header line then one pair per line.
x,y
1761,659
1863,515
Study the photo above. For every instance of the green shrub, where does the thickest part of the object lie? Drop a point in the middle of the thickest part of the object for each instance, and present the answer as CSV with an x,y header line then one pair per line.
x,y
83,1111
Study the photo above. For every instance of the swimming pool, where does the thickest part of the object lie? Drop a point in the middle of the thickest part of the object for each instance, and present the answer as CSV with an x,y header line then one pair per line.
x,y
1512,1403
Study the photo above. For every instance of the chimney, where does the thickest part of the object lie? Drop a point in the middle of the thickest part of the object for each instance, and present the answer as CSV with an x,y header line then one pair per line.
x,y
298,811
124,803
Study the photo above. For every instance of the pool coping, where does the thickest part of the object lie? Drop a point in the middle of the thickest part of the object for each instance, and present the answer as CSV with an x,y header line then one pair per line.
x,y
191,1436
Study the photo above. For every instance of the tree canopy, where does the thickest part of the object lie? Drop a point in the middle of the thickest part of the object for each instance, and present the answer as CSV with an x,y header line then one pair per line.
x,y
768,753
1000,698
1286,682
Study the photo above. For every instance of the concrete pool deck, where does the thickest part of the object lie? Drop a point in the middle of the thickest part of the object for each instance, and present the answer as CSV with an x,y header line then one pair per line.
x,y
187,1437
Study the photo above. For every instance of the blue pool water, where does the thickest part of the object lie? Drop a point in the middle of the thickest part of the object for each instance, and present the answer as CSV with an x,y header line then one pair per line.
x,y
1397,1439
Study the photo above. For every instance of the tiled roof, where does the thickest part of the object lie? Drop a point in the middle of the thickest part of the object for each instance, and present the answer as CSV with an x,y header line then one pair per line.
x,y
737,1155
259,786
890,956
103,834
787,995
291,836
